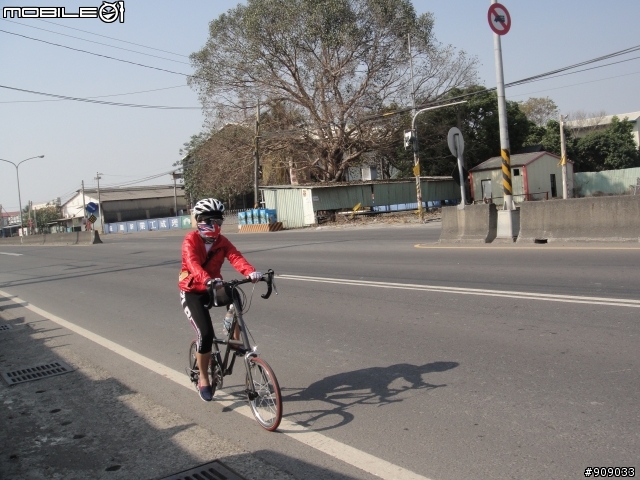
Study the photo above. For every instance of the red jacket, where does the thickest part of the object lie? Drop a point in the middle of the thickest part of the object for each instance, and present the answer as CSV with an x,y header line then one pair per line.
x,y
194,255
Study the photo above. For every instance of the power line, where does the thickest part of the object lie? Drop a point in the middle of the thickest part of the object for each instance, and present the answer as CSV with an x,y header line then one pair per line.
x,y
99,43
95,54
99,96
111,38
101,102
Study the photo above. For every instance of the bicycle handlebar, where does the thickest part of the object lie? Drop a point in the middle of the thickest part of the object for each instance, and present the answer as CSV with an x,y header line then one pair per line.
x,y
266,277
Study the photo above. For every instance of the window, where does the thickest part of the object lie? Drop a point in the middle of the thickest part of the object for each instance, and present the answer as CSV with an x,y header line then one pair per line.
x,y
516,172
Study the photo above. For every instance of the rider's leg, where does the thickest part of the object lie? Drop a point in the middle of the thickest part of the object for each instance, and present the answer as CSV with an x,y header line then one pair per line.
x,y
203,365
194,308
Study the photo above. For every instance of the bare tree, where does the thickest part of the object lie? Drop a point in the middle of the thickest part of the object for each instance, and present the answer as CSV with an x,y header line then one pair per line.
x,y
586,122
539,110
333,64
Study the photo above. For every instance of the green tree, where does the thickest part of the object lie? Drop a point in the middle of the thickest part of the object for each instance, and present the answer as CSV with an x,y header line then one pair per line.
x,y
334,62
478,121
46,215
609,149
549,137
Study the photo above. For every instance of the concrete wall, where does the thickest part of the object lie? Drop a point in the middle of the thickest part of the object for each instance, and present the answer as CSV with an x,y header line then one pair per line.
x,y
475,224
74,238
581,219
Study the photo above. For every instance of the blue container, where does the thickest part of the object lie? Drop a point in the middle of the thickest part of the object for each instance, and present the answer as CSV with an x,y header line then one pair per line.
x,y
132,227
242,218
122,227
163,223
152,225
249,217
142,225
271,215
174,222
262,214
255,213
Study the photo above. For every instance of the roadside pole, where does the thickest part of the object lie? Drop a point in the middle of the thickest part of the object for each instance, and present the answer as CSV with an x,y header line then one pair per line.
x,y
98,177
414,138
508,220
84,209
256,158
563,160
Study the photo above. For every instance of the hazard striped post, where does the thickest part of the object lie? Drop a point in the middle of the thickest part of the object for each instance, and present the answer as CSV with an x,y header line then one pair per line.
x,y
500,23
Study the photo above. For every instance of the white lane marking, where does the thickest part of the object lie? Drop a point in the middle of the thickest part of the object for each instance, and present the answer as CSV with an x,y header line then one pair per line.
x,y
12,254
352,456
617,302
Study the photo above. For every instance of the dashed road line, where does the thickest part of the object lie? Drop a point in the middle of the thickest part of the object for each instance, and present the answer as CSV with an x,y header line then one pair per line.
x,y
12,254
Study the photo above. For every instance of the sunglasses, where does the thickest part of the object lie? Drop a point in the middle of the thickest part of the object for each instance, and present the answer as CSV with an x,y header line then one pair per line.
x,y
211,221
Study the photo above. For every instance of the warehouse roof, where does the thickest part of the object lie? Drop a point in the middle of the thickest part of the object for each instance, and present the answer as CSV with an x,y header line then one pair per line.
x,y
518,160
132,193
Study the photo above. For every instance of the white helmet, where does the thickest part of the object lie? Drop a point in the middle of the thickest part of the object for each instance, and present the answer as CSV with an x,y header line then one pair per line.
x,y
208,207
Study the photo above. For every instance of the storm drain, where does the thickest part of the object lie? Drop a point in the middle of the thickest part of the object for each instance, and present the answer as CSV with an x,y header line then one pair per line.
x,y
4,327
36,372
209,471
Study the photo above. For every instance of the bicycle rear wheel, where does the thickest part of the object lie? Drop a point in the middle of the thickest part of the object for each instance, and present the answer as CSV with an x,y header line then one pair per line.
x,y
267,405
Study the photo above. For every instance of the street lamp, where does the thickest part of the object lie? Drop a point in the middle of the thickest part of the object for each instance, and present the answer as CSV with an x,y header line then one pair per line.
x,y
18,177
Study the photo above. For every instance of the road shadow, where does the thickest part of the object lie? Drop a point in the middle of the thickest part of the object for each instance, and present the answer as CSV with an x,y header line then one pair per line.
x,y
378,386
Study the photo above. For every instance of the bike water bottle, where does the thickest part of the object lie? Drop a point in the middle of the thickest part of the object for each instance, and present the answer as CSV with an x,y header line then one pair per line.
x,y
228,318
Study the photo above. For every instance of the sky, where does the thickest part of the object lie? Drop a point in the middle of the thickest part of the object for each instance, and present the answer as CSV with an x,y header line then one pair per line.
x,y
128,144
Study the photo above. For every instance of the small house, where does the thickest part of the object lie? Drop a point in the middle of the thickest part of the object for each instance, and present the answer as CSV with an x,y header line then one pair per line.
x,y
534,176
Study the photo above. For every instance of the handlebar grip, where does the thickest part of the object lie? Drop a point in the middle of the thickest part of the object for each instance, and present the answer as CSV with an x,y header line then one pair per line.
x,y
213,296
269,281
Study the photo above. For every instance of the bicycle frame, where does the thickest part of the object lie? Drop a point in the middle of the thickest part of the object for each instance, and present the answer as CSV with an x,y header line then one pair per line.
x,y
226,366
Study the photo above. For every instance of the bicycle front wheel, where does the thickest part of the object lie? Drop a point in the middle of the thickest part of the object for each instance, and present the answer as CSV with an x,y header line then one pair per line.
x,y
267,404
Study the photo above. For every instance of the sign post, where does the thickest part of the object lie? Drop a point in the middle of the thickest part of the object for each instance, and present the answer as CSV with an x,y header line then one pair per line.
x,y
456,145
500,23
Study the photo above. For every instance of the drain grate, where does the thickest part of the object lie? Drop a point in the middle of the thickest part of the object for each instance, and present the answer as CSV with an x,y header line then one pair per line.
x,y
209,471
36,372
5,326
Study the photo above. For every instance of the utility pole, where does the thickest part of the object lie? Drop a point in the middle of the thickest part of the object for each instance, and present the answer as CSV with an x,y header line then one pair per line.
x,y
563,160
84,209
98,177
414,136
175,176
256,157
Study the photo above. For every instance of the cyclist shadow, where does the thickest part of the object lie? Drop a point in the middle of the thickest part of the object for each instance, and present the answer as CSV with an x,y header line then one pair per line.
x,y
379,386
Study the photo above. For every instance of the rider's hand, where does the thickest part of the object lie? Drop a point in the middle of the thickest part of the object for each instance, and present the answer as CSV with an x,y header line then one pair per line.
x,y
215,282
254,276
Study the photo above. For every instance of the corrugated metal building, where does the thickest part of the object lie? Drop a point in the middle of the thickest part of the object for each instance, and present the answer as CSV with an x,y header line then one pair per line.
x,y
124,204
534,176
297,205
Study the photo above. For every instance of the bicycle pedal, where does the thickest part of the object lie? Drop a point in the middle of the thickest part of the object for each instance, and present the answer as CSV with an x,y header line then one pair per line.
x,y
251,395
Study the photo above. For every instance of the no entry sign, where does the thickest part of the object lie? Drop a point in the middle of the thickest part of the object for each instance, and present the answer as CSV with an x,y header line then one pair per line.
x,y
499,19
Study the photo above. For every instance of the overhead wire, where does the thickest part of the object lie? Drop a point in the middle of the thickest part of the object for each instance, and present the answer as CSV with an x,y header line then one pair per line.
x,y
100,96
98,43
95,54
100,102
111,38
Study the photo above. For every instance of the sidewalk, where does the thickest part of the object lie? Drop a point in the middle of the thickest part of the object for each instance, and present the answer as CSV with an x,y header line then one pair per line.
x,y
86,424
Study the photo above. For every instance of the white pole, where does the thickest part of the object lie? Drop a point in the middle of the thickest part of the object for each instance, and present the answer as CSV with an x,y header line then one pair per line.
x,y
84,209
563,161
463,193
504,130
414,134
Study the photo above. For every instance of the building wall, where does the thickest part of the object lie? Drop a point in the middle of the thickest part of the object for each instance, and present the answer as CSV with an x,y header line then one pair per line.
x,y
125,210
288,205
538,176
612,182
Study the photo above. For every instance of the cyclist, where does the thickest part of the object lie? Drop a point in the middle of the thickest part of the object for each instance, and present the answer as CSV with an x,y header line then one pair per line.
x,y
203,253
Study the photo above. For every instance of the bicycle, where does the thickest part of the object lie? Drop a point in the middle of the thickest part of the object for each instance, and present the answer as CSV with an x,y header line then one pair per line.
x,y
262,389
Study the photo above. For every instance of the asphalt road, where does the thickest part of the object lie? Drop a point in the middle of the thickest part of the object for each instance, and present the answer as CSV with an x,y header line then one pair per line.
x,y
522,372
